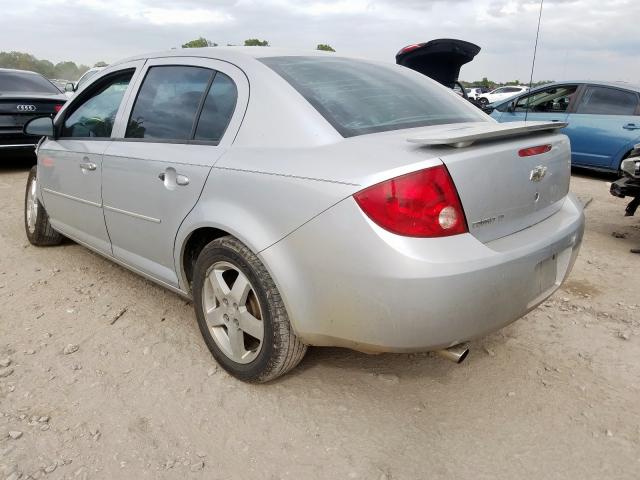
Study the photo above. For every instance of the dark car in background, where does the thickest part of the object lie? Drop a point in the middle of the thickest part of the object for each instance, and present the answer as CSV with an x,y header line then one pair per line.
x,y
24,95
603,118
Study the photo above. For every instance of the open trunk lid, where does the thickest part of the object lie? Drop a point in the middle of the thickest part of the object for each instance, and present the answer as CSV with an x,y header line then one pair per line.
x,y
439,59
503,188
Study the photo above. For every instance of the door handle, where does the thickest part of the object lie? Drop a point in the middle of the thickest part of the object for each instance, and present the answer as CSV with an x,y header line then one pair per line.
x,y
88,166
631,126
171,178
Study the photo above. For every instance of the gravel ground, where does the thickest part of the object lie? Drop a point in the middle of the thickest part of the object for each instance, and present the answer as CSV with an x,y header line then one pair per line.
x,y
554,395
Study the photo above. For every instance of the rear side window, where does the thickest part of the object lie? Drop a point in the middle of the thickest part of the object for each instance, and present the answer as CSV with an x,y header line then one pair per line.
x,y
359,97
218,109
608,101
94,115
168,102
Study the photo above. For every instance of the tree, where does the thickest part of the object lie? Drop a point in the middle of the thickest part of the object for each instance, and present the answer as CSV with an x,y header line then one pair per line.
x,y
254,42
325,47
199,43
101,64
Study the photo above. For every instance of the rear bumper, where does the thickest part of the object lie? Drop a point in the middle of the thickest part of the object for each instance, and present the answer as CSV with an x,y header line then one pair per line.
x,y
346,282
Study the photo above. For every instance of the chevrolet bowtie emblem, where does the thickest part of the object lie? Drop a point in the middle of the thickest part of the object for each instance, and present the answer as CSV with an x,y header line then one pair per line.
x,y
537,173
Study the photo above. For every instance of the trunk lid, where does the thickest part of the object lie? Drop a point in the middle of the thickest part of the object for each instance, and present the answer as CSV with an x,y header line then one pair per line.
x,y
439,59
502,192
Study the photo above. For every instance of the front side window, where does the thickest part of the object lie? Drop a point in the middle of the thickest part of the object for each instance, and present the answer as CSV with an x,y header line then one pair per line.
x,y
357,97
168,102
608,101
555,99
95,115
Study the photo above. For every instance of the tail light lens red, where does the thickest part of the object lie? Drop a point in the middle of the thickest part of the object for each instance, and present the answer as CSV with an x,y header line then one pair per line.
x,y
420,204
57,108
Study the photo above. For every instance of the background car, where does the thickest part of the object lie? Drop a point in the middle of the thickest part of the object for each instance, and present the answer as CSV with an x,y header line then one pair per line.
x,y
501,93
603,118
474,92
71,87
440,59
308,199
24,95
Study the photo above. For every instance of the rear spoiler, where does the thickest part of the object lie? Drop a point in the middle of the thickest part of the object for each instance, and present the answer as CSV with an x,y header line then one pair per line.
x,y
463,135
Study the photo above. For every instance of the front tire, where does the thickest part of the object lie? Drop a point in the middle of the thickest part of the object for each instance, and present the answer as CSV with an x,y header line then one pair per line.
x,y
483,102
36,221
241,314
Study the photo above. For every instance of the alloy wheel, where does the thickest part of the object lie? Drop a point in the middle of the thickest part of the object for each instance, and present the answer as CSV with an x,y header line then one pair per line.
x,y
232,312
32,206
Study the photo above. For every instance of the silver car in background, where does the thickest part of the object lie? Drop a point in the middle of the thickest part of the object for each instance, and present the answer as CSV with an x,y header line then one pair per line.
x,y
308,199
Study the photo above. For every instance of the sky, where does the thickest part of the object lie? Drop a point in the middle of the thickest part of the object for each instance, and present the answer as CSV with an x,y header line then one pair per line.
x,y
579,39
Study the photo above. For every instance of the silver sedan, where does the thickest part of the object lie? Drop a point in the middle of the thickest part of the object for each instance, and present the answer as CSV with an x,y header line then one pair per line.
x,y
308,199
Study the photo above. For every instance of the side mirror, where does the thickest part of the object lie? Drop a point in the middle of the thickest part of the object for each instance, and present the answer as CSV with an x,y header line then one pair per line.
x,y
39,126
488,109
69,87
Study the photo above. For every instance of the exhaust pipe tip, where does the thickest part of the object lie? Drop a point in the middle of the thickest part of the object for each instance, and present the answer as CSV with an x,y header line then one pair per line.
x,y
455,354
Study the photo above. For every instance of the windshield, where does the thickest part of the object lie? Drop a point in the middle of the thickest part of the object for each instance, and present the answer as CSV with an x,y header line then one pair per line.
x,y
359,97
25,82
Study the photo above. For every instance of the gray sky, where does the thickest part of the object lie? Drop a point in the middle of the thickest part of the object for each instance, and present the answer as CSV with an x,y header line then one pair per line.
x,y
579,39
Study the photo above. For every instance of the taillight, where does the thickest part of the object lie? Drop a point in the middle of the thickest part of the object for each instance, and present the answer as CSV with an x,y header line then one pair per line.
x,y
420,204
57,108
529,152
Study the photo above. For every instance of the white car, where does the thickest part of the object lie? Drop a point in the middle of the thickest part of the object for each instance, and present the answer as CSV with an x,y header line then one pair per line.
x,y
71,87
474,93
501,93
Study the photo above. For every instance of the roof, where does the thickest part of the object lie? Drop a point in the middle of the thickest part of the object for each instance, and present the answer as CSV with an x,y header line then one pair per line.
x,y
232,54
15,70
617,84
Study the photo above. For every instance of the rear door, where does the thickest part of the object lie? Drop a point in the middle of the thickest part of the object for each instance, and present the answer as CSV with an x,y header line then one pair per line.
x,y
70,166
604,127
184,116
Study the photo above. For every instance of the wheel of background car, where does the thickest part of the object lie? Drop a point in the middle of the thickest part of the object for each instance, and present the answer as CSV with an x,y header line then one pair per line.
x,y
241,314
36,221
483,101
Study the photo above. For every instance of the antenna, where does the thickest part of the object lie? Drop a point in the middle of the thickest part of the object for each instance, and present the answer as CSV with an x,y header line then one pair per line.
x,y
533,64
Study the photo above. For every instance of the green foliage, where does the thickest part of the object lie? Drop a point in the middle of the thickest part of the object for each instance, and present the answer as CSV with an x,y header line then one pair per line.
x,y
26,61
199,43
254,42
325,47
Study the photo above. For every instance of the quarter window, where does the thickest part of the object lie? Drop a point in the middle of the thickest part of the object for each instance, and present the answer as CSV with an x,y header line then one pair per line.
x,y
94,117
608,101
218,109
168,102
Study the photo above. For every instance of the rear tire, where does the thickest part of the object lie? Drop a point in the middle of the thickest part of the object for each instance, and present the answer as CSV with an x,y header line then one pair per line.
x,y
36,221
241,314
483,101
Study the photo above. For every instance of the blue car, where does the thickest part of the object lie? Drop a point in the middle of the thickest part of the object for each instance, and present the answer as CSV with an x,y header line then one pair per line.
x,y
603,117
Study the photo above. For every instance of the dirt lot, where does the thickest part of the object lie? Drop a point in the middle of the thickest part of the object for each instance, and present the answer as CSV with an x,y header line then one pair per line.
x,y
555,395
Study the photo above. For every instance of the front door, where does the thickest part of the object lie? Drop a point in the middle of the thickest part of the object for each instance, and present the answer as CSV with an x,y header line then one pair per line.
x,y
70,166
604,127
154,173
550,104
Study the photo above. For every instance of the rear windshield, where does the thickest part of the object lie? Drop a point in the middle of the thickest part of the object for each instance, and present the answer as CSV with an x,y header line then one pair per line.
x,y
25,83
358,97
